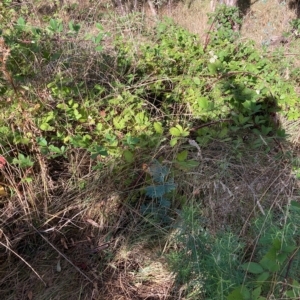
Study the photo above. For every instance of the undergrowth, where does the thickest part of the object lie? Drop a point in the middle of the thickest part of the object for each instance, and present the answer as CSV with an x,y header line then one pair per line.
x,y
106,137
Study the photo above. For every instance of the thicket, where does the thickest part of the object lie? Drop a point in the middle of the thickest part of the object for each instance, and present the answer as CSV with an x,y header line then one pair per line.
x,y
63,89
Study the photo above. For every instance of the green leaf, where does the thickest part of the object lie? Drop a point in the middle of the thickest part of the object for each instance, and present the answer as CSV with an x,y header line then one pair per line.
x,y
252,267
158,127
98,150
265,130
182,156
173,142
256,293
175,131
197,80
27,179
54,149
262,277
240,293
99,26
187,165
99,127
269,262
128,155
99,48
42,141
21,21
213,68
203,103
22,161
295,206
46,127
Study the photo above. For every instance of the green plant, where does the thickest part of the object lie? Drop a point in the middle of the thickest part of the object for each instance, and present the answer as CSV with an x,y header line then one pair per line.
x,y
213,267
227,22
207,264
276,273
163,185
23,161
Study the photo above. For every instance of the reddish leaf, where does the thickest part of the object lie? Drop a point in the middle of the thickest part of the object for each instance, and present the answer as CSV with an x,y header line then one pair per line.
x,y
2,162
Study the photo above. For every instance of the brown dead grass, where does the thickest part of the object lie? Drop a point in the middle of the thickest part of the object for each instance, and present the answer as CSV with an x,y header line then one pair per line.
x,y
231,186
261,21
87,246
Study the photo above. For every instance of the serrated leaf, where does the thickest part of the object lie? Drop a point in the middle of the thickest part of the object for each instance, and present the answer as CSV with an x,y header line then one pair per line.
x,y
158,171
252,267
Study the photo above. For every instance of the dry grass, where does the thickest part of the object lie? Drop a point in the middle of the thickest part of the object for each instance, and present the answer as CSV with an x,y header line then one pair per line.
x,y
261,20
232,185
88,246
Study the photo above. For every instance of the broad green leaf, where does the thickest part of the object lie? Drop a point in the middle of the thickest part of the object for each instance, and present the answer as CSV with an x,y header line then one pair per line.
x,y
99,26
175,131
27,179
128,155
203,102
173,142
265,130
42,141
99,127
240,293
223,133
197,80
269,261
262,277
158,127
252,267
182,156
256,293
187,165
179,127
46,127
54,149
213,68
21,21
